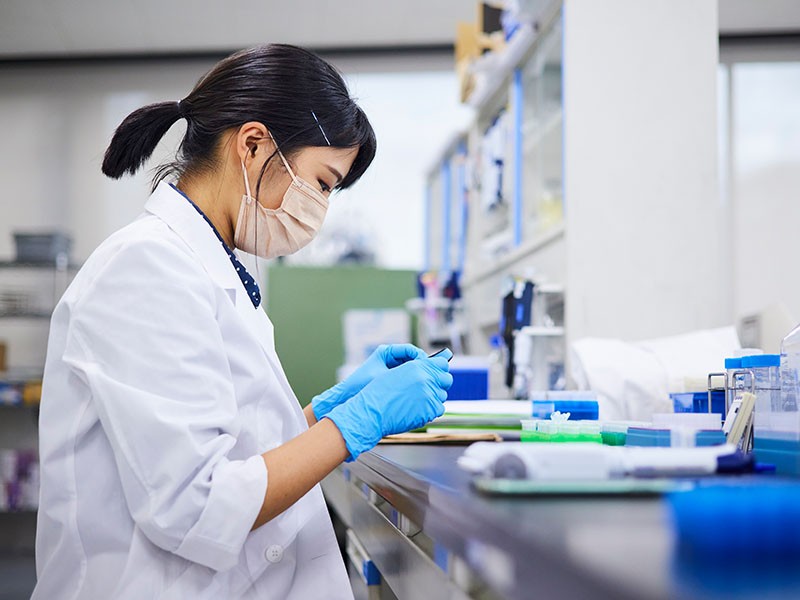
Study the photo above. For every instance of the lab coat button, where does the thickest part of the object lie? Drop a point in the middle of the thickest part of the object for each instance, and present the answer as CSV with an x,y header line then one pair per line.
x,y
274,553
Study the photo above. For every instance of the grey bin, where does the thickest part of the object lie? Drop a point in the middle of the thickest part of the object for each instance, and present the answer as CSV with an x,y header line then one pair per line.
x,y
42,247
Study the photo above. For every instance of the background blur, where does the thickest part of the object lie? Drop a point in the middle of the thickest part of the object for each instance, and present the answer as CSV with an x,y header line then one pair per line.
x,y
672,204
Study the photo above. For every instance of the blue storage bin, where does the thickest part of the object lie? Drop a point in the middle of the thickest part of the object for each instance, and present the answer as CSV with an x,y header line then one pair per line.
x,y
697,402
469,384
580,410
724,521
641,436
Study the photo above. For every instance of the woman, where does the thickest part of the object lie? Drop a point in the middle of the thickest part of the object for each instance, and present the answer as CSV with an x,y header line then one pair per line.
x,y
176,461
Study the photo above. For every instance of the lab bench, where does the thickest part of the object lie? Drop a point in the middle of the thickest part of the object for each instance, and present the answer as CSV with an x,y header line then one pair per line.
x,y
431,535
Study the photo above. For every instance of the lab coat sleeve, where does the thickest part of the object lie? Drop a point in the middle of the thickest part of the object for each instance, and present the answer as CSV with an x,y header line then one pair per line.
x,y
145,340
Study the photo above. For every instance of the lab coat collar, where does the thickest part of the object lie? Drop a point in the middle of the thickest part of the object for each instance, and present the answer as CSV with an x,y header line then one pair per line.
x,y
167,204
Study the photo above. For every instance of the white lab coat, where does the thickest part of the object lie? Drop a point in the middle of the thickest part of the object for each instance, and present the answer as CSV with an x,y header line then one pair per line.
x,y
161,390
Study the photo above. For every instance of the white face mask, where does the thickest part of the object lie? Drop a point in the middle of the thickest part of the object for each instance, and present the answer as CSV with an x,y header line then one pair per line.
x,y
270,233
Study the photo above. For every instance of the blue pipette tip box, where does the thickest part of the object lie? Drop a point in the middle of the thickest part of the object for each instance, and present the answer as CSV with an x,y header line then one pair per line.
x,y
759,519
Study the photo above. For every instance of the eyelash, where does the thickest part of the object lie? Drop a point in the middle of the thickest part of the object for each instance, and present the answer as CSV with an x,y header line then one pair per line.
x,y
323,185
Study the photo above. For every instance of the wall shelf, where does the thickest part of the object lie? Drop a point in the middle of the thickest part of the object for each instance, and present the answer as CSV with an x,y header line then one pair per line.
x,y
525,250
13,264
26,315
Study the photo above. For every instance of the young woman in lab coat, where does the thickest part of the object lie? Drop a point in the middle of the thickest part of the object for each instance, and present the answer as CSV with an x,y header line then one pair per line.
x,y
176,461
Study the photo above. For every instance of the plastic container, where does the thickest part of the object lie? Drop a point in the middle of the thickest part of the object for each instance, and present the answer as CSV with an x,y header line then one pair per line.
x,y
735,383
535,430
42,247
470,378
647,436
580,405
766,368
497,370
723,522
777,423
790,372
697,402
767,417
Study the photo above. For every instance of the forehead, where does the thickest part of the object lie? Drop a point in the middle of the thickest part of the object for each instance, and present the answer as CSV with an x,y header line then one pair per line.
x,y
339,158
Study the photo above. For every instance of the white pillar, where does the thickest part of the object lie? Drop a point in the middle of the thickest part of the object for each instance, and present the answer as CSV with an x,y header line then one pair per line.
x,y
644,224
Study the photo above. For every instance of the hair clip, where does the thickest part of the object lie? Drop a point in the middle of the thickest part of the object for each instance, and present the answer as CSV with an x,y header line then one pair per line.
x,y
320,128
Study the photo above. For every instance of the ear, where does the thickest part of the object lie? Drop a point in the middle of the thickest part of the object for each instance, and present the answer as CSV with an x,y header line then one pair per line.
x,y
250,136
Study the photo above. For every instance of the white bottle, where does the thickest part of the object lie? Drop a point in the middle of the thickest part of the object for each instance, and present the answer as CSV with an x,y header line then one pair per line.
x,y
790,368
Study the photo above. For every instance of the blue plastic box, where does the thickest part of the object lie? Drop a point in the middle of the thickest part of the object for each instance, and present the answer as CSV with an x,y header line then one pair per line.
x,y
697,402
580,410
469,384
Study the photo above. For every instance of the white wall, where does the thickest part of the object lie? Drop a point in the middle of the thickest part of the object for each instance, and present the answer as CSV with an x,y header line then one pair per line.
x,y
766,187
645,238
413,114
57,121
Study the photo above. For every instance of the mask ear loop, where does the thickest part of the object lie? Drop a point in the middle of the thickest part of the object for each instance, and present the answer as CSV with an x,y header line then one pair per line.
x,y
246,182
257,272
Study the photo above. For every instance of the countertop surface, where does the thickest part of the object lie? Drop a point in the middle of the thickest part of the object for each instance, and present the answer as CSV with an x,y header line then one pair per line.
x,y
567,546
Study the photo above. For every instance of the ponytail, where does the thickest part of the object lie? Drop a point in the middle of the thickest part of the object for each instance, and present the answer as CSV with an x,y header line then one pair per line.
x,y
137,137
302,99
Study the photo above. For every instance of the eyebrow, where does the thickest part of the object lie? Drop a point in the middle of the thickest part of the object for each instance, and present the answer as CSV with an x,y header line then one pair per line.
x,y
336,173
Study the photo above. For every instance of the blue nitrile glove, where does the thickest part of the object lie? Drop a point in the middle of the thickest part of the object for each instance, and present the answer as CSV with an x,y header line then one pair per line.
x,y
381,360
404,398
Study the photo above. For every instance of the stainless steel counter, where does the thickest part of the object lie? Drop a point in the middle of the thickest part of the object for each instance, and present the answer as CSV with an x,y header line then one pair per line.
x,y
432,536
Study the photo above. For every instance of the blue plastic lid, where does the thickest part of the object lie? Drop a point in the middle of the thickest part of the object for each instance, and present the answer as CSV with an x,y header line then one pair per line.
x,y
733,363
761,360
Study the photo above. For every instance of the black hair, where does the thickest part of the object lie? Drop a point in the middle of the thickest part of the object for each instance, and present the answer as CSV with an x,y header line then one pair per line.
x,y
292,91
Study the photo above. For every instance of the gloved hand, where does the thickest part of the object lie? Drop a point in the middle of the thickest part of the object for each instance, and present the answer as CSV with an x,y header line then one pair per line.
x,y
404,398
381,360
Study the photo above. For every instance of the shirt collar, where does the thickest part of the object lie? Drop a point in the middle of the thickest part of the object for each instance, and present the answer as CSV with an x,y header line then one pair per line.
x,y
248,281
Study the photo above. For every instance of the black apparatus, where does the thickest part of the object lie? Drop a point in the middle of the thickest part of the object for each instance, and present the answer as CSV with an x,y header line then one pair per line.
x,y
516,314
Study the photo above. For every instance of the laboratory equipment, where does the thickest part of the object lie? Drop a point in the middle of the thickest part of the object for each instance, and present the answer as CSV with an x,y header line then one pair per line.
x,y
538,360
766,371
615,433
777,426
697,402
579,404
497,371
745,520
446,351
789,369
737,427
678,430
734,384
470,378
516,314
553,430
586,461
439,310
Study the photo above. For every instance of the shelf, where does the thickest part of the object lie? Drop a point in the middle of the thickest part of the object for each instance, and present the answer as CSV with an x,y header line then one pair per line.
x,y
534,136
44,266
526,249
494,243
542,331
492,322
419,304
494,71
26,315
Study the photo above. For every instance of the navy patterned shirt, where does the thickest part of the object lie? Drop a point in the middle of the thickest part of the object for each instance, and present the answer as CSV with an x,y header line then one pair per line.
x,y
248,281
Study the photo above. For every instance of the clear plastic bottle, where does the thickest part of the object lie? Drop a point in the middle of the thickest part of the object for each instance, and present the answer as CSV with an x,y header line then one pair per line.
x,y
497,370
790,367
